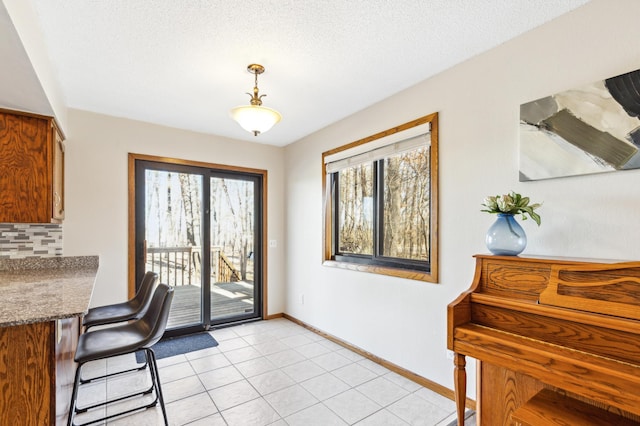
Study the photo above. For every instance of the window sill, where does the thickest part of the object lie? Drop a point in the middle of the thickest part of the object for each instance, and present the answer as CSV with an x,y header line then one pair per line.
x,y
383,270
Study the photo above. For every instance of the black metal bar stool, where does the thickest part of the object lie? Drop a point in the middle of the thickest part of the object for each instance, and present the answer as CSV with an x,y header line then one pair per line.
x,y
120,312
123,339
125,311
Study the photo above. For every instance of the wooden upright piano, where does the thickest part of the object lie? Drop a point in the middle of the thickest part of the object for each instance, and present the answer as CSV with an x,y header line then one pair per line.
x,y
556,339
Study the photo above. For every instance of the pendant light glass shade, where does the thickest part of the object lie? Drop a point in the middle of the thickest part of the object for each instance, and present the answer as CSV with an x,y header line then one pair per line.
x,y
255,119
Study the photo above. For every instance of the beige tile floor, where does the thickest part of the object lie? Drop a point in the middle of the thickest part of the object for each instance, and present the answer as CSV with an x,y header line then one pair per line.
x,y
274,373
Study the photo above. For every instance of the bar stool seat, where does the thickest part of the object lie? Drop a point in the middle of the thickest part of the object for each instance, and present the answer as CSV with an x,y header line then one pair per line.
x,y
123,339
117,341
125,311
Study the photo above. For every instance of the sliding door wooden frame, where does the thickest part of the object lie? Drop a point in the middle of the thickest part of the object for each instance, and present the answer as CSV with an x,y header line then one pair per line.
x,y
132,214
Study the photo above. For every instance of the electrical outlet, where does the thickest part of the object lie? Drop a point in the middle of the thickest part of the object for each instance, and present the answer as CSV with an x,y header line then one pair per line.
x,y
302,299
449,354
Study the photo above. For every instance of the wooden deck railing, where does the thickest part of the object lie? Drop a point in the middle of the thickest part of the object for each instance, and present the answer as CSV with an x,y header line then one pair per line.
x,y
178,266
226,272
174,265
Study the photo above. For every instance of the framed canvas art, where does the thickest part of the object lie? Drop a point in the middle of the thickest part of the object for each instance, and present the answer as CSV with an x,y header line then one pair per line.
x,y
589,129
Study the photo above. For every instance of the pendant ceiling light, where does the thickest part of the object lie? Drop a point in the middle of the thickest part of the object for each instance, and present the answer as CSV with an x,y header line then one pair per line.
x,y
255,118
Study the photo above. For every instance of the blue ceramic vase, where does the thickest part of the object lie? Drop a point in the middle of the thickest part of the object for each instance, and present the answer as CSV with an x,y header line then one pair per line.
x,y
506,237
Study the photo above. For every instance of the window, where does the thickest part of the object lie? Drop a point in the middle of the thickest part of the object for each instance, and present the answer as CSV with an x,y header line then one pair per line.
x,y
381,202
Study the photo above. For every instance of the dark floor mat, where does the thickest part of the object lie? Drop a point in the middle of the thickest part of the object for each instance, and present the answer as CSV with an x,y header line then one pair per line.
x,y
180,345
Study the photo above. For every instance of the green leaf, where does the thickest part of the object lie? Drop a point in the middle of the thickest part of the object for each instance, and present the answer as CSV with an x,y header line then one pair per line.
x,y
536,217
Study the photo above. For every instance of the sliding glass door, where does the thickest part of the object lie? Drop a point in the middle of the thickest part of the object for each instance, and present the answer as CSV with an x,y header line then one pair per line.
x,y
200,229
233,244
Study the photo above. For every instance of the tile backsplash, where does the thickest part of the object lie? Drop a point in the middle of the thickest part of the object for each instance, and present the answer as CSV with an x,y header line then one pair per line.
x,y
22,240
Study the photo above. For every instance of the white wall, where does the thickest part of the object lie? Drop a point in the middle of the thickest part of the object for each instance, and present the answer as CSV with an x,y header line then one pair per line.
x,y
478,101
96,189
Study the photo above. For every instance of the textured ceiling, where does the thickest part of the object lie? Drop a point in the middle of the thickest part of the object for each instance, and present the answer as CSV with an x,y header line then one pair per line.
x,y
182,63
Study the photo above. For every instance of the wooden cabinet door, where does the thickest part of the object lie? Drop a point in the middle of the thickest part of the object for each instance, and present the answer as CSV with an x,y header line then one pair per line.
x,y
26,376
25,173
32,169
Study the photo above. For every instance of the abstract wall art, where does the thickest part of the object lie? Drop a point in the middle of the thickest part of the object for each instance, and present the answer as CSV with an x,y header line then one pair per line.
x,y
590,129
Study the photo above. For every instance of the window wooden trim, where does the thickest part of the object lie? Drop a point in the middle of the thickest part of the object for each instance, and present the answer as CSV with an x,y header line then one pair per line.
x,y
432,275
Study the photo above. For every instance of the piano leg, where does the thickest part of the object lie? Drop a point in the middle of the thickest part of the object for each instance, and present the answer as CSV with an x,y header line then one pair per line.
x,y
460,383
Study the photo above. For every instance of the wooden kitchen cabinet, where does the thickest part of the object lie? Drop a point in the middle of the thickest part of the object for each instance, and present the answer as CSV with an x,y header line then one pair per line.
x,y
31,169
41,309
36,372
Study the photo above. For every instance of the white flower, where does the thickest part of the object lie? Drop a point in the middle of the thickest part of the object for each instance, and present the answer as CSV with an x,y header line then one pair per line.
x,y
506,203
491,203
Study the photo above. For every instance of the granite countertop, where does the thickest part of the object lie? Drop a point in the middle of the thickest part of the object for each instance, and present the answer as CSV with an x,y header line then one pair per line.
x,y
45,289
